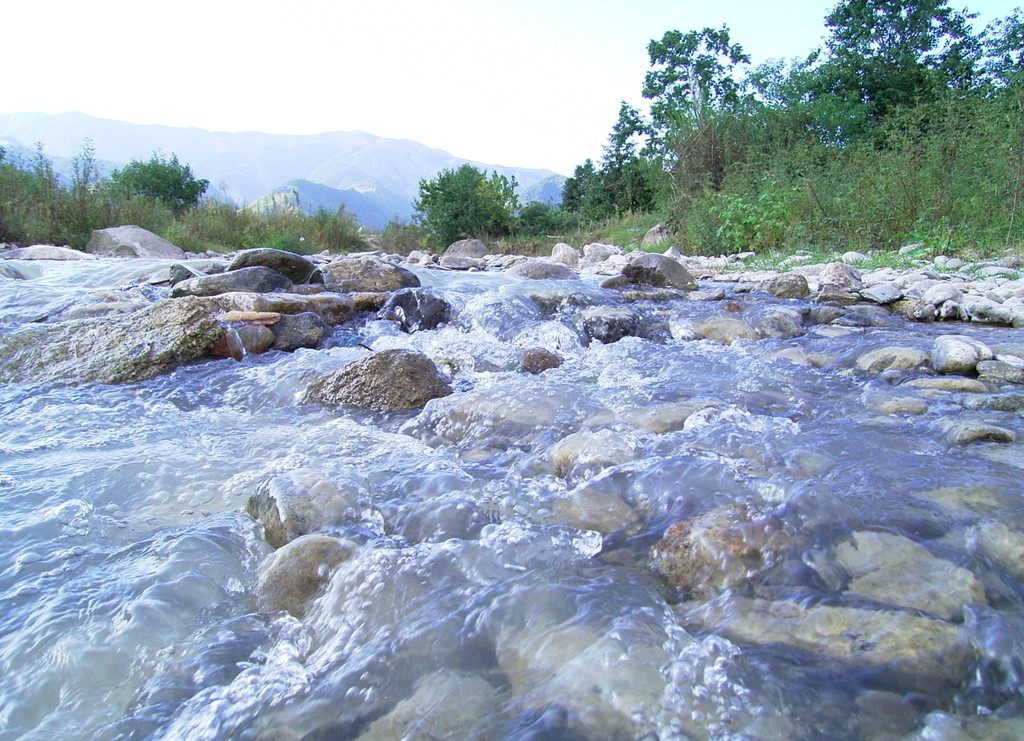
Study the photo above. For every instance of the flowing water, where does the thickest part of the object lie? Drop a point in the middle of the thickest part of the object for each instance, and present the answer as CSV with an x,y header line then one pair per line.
x,y
500,589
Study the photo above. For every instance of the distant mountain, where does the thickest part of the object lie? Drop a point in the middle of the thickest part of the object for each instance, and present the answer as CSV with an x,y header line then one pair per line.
x,y
248,165
373,209
548,190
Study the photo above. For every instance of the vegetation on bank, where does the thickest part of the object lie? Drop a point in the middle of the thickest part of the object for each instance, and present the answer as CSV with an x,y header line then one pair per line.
x,y
906,126
162,195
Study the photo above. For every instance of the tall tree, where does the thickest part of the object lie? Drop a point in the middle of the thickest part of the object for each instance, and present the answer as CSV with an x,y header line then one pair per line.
x,y
886,54
162,179
464,202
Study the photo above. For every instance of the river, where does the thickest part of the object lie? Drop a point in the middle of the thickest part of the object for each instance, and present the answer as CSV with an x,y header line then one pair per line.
x,y
501,585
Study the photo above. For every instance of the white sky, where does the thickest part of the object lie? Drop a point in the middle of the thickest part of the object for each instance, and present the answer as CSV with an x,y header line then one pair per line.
x,y
526,83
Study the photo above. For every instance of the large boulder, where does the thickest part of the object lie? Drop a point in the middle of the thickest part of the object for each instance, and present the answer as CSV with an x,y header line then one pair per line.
x,y
958,355
132,241
122,349
416,308
294,331
253,280
386,381
650,269
467,248
787,285
366,273
297,268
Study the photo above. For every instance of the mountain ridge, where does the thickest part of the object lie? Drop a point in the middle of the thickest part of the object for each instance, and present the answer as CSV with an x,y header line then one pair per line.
x,y
248,165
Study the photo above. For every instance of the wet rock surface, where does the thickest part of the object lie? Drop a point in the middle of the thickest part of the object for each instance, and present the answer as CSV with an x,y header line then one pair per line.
x,y
386,381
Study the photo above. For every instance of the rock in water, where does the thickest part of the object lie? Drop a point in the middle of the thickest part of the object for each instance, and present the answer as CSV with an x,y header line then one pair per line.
x,y
416,308
787,285
386,381
122,349
297,268
257,279
298,503
366,273
291,577
132,241
650,269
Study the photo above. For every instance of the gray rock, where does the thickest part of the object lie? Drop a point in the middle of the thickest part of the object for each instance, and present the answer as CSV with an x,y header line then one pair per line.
x,y
609,324
787,285
854,257
177,272
840,275
249,339
541,270
46,252
615,282
467,248
891,358
333,308
657,234
882,293
446,706
958,355
1000,371
294,575
416,309
648,268
461,262
251,280
1009,402
536,360
600,252
366,273
980,309
297,268
565,254
723,329
838,295
942,292
585,453
296,331
131,241
301,502
913,309
962,432
122,349
386,381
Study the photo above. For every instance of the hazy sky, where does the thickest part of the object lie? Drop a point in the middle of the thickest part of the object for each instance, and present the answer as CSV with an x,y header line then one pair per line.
x,y
528,83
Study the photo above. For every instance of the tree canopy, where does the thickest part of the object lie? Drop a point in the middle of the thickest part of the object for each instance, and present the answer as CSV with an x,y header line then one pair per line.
x,y
464,202
163,179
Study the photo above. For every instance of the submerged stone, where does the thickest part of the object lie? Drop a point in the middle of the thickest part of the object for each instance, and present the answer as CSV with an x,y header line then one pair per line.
x,y
896,570
300,502
293,576
919,652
